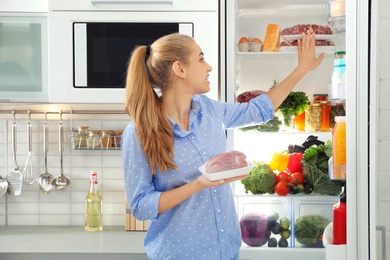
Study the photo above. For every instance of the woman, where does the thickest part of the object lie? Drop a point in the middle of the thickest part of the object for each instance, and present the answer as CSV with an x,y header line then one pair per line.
x,y
174,133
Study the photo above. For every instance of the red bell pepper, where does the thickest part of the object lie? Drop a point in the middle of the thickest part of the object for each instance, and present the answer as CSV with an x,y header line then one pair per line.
x,y
294,164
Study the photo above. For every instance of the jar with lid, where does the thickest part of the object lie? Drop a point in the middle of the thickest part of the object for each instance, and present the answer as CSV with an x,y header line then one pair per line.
x,y
93,139
320,97
337,109
299,121
106,139
117,138
325,115
80,140
337,88
313,117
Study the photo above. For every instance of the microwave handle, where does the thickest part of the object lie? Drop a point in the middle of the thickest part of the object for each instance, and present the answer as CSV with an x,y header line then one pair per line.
x,y
96,2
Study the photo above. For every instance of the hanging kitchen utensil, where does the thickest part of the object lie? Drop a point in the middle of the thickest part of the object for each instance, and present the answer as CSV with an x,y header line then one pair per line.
x,y
29,176
45,179
15,177
3,186
61,182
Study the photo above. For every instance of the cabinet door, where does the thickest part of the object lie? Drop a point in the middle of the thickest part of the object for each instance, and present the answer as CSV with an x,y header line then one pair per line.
x,y
23,58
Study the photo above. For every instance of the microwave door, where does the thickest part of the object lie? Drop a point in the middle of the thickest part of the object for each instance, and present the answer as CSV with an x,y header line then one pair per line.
x,y
102,50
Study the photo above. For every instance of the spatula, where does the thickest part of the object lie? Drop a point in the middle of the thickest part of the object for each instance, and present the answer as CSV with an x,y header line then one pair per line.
x,y
15,177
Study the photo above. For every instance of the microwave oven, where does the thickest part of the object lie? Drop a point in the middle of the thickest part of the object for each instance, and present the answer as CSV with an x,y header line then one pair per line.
x,y
89,51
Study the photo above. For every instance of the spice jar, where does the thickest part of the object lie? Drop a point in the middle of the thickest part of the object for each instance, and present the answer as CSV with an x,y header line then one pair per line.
x,y
93,139
117,138
313,117
325,115
106,139
80,140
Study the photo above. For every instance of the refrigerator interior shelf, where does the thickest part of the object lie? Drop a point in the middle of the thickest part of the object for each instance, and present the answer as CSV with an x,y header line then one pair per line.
x,y
281,54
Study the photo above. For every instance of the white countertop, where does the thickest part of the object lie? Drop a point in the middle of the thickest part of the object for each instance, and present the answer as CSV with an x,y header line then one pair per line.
x,y
60,240
66,239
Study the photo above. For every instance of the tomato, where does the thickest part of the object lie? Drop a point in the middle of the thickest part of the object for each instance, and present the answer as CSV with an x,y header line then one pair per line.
x,y
297,178
282,188
282,176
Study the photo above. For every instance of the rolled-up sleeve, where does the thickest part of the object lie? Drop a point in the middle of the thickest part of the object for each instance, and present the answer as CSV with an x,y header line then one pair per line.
x,y
141,194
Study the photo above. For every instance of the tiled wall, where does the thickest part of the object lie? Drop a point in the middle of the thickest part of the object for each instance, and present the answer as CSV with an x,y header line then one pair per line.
x,y
61,207
383,153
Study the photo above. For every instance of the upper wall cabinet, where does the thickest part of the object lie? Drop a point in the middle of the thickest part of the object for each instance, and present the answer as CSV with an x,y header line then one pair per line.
x,y
134,5
23,51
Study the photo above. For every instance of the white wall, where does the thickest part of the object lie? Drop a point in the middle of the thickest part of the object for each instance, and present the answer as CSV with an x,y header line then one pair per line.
x,y
62,207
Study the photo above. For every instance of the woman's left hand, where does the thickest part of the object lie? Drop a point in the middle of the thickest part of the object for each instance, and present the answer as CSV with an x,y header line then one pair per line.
x,y
307,60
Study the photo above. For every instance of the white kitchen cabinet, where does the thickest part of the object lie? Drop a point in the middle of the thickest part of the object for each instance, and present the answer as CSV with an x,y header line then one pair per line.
x,y
133,5
23,51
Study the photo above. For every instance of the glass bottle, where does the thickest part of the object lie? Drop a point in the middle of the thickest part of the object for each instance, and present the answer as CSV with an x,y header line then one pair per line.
x,y
337,88
93,206
339,148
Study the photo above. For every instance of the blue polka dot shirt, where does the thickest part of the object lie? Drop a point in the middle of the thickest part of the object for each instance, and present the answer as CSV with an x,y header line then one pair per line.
x,y
205,226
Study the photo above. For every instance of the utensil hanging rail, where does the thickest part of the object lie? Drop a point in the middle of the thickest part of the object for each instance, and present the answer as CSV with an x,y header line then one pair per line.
x,y
69,112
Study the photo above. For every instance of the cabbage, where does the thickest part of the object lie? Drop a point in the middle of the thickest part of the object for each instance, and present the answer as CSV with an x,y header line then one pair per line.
x,y
254,229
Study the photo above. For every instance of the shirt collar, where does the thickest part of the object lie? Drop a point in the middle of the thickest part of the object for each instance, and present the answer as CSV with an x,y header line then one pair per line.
x,y
195,112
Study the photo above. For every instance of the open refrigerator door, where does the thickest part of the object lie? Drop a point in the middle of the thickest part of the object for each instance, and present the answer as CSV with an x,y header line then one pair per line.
x,y
249,69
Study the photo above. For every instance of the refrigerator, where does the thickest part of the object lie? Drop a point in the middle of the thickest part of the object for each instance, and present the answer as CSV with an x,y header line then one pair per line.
x,y
245,71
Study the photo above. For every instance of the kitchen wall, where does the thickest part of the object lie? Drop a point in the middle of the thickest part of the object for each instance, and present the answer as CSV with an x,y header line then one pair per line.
x,y
383,126
61,207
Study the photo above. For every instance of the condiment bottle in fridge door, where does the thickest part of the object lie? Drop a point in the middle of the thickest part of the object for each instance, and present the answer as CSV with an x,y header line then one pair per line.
x,y
339,149
93,206
340,220
337,88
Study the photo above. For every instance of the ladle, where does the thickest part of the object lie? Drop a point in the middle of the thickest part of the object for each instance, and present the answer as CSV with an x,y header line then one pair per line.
x,y
28,171
61,181
45,179
3,186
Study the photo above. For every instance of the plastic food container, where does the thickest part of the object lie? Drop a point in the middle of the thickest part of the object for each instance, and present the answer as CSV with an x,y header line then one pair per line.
x,y
226,174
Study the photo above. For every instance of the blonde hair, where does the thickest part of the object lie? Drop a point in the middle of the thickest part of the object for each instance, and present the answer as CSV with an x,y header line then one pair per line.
x,y
146,72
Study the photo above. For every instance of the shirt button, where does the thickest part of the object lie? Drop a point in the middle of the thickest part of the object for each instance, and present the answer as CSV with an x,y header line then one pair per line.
x,y
204,153
192,137
215,190
222,230
218,210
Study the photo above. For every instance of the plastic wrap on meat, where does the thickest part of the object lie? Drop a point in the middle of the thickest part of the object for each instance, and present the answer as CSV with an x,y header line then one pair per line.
x,y
302,28
226,161
248,95
318,43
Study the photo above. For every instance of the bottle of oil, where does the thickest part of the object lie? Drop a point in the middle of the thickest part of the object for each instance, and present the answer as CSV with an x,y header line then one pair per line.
x,y
93,206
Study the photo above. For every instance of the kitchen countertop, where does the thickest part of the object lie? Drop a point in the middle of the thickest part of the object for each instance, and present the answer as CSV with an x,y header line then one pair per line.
x,y
63,242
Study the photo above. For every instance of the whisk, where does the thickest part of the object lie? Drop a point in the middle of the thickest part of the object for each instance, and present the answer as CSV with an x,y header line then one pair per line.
x,y
29,175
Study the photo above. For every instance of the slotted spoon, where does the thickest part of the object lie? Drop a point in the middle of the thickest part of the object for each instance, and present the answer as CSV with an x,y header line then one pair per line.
x,y
15,177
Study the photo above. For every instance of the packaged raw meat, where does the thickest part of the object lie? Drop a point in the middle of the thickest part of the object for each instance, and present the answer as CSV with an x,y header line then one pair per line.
x,y
248,95
226,161
302,28
317,42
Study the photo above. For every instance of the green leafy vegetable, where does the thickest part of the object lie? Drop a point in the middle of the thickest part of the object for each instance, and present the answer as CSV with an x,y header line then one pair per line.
x,y
309,229
315,168
271,126
294,104
261,180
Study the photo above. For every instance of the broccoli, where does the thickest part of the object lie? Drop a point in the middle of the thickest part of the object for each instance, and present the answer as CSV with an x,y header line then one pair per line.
x,y
261,179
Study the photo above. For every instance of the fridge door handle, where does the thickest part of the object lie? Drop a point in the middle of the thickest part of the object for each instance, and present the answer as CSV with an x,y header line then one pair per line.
x,y
97,2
